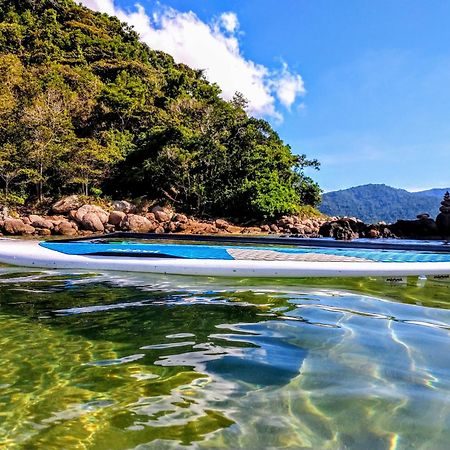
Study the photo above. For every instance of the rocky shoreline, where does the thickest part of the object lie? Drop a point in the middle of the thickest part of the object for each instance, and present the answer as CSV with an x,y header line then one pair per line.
x,y
71,217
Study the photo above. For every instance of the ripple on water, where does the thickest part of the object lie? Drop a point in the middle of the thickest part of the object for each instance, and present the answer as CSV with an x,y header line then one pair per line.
x,y
105,361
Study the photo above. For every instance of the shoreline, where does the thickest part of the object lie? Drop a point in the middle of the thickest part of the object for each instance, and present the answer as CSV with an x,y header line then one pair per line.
x,y
72,217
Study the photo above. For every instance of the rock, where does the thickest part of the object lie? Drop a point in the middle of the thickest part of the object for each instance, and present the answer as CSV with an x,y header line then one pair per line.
x,y
72,214
232,229
66,204
274,228
16,226
181,218
102,215
159,230
162,216
66,228
40,222
443,218
343,229
172,227
221,224
123,206
250,230
285,221
297,229
137,224
26,220
373,233
163,209
415,228
91,221
116,217
150,216
264,228
44,232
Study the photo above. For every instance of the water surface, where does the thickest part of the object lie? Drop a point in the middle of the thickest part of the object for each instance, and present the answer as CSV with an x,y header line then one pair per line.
x,y
127,361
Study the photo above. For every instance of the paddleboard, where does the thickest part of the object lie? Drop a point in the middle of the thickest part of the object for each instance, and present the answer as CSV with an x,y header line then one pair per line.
x,y
228,260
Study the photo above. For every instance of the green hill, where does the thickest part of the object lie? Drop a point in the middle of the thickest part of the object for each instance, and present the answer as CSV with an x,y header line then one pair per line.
x,y
378,202
86,107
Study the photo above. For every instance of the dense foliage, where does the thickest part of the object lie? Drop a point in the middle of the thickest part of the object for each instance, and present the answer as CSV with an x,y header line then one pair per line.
x,y
85,106
376,202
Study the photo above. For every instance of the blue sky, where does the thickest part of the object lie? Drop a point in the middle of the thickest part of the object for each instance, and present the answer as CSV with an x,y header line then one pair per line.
x,y
363,86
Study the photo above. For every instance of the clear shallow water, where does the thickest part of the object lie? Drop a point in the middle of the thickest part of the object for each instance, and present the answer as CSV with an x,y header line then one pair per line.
x,y
121,361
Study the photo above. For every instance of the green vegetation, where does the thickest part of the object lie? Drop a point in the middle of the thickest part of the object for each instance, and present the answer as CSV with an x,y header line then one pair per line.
x,y
85,107
375,202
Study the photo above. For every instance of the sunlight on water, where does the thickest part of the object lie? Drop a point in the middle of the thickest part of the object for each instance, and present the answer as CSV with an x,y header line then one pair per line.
x,y
120,361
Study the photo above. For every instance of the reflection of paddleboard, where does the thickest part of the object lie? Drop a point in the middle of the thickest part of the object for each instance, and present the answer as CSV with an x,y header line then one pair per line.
x,y
223,259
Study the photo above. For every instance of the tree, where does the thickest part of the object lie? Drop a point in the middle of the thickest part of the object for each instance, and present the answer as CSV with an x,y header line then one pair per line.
x,y
49,134
11,166
89,161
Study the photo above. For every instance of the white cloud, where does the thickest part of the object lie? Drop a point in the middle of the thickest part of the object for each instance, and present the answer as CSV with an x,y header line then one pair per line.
x,y
229,21
289,86
215,49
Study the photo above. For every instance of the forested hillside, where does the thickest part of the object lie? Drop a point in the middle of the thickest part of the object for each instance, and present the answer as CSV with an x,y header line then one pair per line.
x,y
376,202
86,107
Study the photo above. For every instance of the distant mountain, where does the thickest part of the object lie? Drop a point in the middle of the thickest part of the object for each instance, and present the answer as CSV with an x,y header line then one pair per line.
x,y
376,202
434,192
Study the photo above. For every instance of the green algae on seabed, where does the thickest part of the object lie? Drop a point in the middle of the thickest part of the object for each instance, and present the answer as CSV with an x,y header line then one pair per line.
x,y
119,361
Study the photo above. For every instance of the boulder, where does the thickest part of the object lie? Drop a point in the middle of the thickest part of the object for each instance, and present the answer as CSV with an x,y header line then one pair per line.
x,y
16,226
43,231
162,216
66,204
66,228
344,229
40,222
116,217
181,218
91,218
137,224
415,228
373,233
123,206
443,218
172,227
162,209
285,221
222,224
91,221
